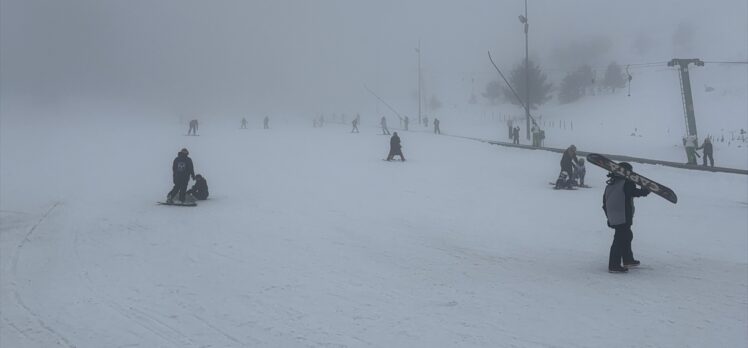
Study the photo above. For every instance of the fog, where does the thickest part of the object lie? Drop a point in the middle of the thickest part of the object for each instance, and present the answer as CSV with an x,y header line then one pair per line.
x,y
212,57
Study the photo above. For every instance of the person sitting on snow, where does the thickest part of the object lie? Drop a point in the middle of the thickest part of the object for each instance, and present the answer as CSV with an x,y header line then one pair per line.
x,y
200,189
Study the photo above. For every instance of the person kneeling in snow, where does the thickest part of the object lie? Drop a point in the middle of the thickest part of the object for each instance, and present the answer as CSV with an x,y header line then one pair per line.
x,y
200,189
618,205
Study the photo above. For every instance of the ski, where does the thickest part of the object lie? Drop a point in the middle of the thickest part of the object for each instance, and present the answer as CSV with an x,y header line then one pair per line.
x,y
651,185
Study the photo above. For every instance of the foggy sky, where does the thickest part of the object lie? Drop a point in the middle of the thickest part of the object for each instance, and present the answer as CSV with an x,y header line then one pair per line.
x,y
193,56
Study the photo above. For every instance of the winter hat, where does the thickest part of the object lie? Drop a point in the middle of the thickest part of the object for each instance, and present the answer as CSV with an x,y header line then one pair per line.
x,y
626,165
184,151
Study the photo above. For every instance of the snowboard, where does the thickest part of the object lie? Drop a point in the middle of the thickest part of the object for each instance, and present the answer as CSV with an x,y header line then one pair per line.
x,y
178,204
651,185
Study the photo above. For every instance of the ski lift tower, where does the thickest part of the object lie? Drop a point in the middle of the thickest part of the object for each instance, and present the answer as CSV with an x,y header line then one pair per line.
x,y
685,89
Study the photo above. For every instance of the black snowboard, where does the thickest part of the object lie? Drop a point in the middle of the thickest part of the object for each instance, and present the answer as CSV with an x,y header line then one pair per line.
x,y
611,166
179,204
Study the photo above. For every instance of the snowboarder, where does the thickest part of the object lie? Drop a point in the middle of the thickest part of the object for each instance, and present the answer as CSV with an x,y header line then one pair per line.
x,y
182,170
193,128
579,172
515,135
618,205
266,123
406,121
708,151
355,125
200,189
436,126
395,148
383,123
568,160
244,123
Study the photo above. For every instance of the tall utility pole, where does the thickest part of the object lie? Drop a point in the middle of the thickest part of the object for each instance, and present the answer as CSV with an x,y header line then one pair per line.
x,y
685,88
523,20
418,50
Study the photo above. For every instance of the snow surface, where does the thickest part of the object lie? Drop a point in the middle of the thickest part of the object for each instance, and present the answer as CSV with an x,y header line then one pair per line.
x,y
309,239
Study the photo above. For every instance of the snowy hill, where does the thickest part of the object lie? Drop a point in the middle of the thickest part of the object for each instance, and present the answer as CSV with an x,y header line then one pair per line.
x,y
310,239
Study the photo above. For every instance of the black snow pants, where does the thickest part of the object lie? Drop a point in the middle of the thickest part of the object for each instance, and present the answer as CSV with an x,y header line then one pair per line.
x,y
620,250
180,186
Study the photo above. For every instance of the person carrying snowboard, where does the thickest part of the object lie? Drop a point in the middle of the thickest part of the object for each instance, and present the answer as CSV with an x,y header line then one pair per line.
x,y
200,189
182,170
568,159
193,128
436,126
618,205
383,123
708,151
395,148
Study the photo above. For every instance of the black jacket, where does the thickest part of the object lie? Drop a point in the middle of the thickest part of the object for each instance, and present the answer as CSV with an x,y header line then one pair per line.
x,y
618,201
182,167
200,188
707,146
566,160
395,143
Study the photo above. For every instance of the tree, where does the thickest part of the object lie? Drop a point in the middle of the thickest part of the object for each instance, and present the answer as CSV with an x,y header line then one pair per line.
x,y
575,84
434,103
540,90
493,92
614,77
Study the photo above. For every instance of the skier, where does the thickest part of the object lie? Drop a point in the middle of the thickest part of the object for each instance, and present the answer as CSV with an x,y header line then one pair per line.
x,y
193,128
708,151
383,123
266,123
690,143
182,170
436,126
515,135
395,148
567,160
355,125
618,205
200,189
406,121
244,123
579,172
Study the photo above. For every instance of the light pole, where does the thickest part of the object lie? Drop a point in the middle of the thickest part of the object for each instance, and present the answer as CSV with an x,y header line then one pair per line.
x,y
418,50
523,20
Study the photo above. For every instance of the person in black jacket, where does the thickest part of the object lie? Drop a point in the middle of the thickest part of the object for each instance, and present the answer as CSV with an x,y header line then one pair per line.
x,y
395,148
569,156
200,189
182,170
618,205
708,151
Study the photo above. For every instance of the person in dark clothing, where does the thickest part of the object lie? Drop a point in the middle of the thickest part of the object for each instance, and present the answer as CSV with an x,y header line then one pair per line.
x,y
266,123
244,123
200,189
355,125
515,136
193,128
395,148
568,160
436,126
406,122
618,205
708,151
182,170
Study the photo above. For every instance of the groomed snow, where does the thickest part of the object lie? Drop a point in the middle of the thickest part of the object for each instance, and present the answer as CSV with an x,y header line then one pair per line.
x,y
310,239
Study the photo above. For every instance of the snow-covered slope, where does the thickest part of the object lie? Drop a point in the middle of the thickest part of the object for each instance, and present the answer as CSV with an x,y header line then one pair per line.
x,y
310,239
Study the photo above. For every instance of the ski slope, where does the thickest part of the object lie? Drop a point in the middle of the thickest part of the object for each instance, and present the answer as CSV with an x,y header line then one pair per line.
x,y
309,239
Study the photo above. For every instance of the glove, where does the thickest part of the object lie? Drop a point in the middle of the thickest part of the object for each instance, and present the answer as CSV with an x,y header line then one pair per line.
x,y
645,192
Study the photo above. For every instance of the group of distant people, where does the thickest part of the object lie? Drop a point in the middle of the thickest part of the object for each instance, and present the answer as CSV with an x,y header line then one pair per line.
x,y
406,122
690,142
538,135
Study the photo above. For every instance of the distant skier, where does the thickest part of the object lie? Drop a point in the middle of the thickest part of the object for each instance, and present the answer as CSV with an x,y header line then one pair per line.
x,y
266,123
708,151
618,205
383,123
568,159
436,126
182,170
406,121
515,135
193,128
395,148
690,143
200,189
355,125
244,123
